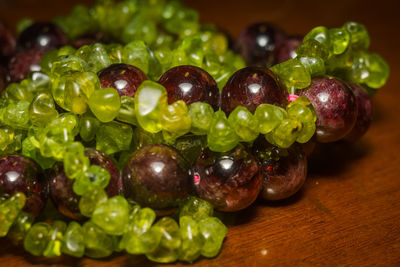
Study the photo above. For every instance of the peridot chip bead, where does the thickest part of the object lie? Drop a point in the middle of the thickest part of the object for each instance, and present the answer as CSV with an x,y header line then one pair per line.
x,y
201,115
97,243
63,65
58,90
269,117
42,110
150,101
90,200
314,65
47,60
37,239
29,149
21,226
378,71
115,52
94,176
292,74
214,232
313,48
175,120
113,137
136,54
9,210
192,239
127,110
97,58
359,35
53,248
300,113
140,28
75,161
74,243
105,104
307,132
6,137
286,133
168,249
66,50
112,216
244,124
221,137
89,126
196,208
17,115
340,40
17,92
319,34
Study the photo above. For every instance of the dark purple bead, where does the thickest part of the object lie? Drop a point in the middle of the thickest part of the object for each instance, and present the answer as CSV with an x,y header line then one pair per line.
x,y
90,38
250,87
257,43
230,181
364,115
284,170
190,84
156,176
287,49
335,105
41,35
123,77
61,190
7,44
20,174
24,62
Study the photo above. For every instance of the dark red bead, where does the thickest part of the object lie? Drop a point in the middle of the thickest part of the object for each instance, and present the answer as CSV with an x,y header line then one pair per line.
x,y
250,87
125,78
24,62
190,84
7,44
287,49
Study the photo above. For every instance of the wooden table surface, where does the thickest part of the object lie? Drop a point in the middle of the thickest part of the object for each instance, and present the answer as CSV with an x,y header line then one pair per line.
x,y
348,212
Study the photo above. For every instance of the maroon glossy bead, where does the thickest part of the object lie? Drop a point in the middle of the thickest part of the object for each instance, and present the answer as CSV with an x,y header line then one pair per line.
x,y
284,170
250,87
7,44
41,35
61,190
156,176
230,181
20,174
90,38
190,84
335,105
257,43
24,62
3,78
364,115
123,77
287,49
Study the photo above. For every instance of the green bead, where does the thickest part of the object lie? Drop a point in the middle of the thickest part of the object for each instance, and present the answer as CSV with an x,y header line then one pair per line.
x,y
66,51
115,52
6,137
74,242
97,58
292,74
286,133
359,35
37,238
307,132
94,176
196,208
201,115
53,248
58,90
63,65
97,243
150,101
314,65
221,137
75,161
211,63
17,115
175,120
23,24
190,146
140,28
143,138
313,48
301,113
192,48
319,34
21,226
42,110
340,39
17,92
164,56
168,249
127,110
47,60
105,104
113,137
304,101
213,231
89,126
244,124
90,200
112,216
33,152
9,210
136,54
192,239
378,71
269,117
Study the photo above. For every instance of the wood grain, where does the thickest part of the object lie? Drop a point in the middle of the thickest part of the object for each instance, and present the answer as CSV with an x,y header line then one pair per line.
x,y
348,213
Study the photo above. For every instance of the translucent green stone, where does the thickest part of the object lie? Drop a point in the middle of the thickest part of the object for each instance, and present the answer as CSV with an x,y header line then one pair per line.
x,y
286,133
378,71
307,132
168,249
21,226
89,201
150,101
47,60
33,152
89,126
192,239
67,64
6,137
213,231
115,52
221,137
211,63
113,137
53,248
143,138
175,120
244,124
105,104
53,141
17,92
37,238
164,56
9,210
127,110
201,115
23,24
136,54
192,48
58,90
320,34
313,48
112,216
292,74
75,161
17,115
74,243
42,110
94,176
314,65
300,113
196,208
78,22
304,101
359,35
140,28
190,146
269,117
66,51
97,243
96,58
340,39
